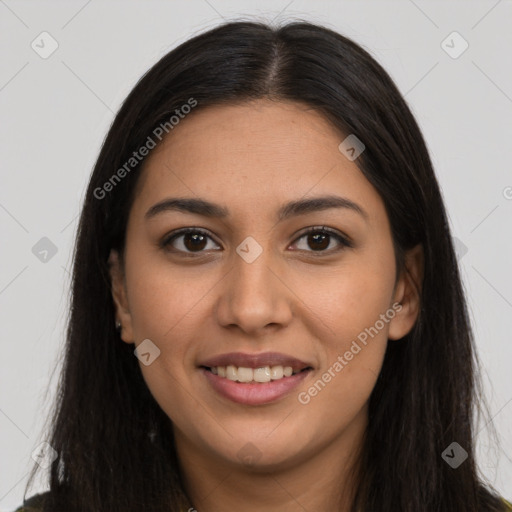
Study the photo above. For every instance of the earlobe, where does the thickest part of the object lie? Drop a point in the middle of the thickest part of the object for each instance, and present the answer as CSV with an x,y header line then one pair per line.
x,y
119,296
408,294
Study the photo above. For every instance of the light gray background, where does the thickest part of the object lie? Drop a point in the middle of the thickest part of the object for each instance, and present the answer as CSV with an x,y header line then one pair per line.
x,y
56,111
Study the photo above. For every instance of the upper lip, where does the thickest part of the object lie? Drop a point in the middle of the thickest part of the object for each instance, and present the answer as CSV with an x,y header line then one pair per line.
x,y
245,360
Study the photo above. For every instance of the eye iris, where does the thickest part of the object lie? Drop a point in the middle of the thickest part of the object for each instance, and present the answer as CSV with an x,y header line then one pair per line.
x,y
316,238
194,241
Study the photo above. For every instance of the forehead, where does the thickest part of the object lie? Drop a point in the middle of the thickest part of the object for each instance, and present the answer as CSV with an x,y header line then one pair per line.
x,y
246,152
248,131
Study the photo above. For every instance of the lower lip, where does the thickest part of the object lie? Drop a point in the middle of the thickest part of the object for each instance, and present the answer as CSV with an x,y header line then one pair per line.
x,y
254,393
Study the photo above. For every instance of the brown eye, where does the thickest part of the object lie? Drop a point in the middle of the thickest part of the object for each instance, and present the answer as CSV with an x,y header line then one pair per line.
x,y
188,241
318,241
194,241
323,240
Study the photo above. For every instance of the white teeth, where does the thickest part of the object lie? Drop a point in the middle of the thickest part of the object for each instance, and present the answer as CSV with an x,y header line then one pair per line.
x,y
231,372
243,374
276,372
262,374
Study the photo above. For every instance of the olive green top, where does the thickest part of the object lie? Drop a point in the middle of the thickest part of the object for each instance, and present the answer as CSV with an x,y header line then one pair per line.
x,y
34,504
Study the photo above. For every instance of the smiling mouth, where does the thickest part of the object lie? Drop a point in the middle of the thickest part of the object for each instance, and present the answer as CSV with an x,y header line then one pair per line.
x,y
259,375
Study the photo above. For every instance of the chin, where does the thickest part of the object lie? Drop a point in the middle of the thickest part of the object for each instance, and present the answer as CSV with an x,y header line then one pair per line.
x,y
261,454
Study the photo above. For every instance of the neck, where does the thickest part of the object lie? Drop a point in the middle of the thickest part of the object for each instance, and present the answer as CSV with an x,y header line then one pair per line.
x,y
323,481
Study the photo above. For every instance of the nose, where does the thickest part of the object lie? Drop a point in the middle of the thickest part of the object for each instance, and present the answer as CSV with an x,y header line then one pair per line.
x,y
254,297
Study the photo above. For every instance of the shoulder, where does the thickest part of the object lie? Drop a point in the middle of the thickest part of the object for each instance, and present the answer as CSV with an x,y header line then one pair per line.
x,y
34,503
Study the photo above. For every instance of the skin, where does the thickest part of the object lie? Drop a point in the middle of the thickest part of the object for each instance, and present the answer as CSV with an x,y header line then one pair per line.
x,y
252,158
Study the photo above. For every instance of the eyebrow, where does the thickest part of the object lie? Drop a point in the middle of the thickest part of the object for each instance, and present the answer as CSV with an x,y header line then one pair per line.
x,y
294,208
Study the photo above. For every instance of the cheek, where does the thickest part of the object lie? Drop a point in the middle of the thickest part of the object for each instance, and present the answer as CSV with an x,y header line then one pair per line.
x,y
350,300
354,347
353,306
163,298
165,305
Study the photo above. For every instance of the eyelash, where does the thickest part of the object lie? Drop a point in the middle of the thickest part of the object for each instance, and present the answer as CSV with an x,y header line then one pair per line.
x,y
342,240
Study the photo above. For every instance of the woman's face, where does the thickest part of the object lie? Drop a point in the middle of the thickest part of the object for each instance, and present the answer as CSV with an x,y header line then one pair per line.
x,y
253,296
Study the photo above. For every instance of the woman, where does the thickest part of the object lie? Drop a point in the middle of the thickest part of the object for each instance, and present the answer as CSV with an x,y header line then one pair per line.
x,y
267,312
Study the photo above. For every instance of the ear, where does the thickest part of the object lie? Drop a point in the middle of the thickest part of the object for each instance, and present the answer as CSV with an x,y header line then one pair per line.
x,y
408,294
119,295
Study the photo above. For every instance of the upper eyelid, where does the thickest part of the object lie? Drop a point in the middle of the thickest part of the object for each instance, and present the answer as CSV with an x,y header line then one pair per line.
x,y
183,231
